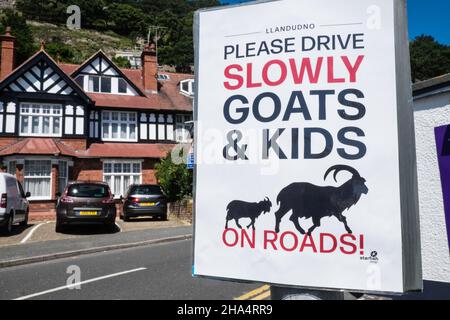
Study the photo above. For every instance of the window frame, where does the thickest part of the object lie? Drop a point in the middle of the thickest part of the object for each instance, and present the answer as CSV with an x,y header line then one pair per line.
x,y
190,84
25,177
66,178
121,174
12,164
30,114
110,122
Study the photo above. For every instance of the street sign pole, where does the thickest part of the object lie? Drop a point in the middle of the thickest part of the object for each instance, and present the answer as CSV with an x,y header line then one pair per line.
x,y
282,293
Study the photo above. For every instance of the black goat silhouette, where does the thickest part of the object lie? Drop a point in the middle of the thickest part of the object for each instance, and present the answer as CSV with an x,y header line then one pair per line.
x,y
240,209
309,201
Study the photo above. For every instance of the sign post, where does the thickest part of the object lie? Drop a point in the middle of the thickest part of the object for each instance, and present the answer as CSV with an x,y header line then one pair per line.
x,y
304,153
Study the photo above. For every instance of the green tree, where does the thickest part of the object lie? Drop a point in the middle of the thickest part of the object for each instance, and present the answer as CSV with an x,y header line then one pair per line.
x,y
122,62
126,19
130,18
429,58
43,10
19,29
61,52
175,179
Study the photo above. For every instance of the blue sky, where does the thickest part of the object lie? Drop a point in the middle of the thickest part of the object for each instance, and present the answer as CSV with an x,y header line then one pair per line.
x,y
430,17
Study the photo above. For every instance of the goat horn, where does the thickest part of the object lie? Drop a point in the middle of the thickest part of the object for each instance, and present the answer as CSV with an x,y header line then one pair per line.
x,y
340,168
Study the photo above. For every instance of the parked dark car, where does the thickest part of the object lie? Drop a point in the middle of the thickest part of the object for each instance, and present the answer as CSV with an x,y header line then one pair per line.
x,y
144,200
86,203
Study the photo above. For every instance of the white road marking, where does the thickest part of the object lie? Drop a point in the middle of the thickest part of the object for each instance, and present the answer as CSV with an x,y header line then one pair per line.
x,y
28,236
79,283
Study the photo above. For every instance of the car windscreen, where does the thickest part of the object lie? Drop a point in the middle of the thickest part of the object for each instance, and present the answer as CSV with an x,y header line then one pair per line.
x,y
88,191
145,190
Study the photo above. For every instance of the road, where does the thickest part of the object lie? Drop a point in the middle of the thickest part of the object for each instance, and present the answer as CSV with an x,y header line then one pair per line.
x,y
159,271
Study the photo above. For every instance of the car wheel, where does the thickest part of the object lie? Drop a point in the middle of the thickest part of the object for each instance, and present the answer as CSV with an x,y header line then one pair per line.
x,y
126,218
7,228
111,227
164,217
58,228
24,223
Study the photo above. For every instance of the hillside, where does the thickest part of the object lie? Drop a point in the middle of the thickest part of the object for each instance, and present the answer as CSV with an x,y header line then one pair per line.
x,y
128,18
82,42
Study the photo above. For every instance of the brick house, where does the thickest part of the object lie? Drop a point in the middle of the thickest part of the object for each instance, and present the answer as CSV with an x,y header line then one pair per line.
x,y
94,121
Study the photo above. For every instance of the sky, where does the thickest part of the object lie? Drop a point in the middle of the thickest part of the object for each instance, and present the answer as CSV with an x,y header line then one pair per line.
x,y
431,17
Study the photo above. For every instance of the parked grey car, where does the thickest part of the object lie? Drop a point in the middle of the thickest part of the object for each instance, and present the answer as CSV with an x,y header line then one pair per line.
x,y
144,200
86,203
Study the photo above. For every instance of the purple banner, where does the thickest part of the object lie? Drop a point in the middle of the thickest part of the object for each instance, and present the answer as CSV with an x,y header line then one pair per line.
x,y
443,150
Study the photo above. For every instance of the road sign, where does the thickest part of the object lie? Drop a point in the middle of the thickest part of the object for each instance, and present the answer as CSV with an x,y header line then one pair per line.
x,y
305,157
190,161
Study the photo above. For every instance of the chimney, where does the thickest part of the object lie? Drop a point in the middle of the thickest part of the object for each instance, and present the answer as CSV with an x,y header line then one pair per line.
x,y
150,69
7,63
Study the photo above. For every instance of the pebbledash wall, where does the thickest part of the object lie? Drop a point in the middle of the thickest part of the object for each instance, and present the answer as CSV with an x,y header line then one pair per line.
x,y
431,110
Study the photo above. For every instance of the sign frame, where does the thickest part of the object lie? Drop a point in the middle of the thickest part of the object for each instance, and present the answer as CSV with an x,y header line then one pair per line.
x,y
409,208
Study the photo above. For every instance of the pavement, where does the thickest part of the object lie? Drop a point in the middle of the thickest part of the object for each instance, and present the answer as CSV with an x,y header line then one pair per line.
x,y
95,242
44,230
154,271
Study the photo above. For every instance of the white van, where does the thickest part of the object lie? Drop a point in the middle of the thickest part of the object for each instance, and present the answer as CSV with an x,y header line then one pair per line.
x,y
13,203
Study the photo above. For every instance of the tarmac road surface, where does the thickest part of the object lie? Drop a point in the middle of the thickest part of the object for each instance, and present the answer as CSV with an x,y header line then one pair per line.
x,y
158,271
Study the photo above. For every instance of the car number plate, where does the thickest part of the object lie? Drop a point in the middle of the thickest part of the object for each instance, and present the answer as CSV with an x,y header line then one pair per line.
x,y
88,213
147,204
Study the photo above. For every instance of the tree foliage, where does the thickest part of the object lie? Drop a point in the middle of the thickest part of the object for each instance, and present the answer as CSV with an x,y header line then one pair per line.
x,y
122,62
59,51
429,58
130,18
175,179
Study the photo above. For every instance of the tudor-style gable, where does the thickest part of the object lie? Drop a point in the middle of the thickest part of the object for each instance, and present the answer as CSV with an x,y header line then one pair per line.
x,y
40,74
100,75
38,99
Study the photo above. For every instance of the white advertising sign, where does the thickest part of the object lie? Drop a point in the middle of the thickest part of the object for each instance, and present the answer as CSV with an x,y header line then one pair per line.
x,y
299,150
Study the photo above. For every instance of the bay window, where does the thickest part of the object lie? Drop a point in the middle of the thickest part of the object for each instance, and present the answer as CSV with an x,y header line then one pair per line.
x,y
63,174
12,167
40,119
37,178
119,175
119,126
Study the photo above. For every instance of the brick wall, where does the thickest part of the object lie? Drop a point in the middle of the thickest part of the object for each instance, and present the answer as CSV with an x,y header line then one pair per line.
x,y
181,210
148,171
77,144
86,169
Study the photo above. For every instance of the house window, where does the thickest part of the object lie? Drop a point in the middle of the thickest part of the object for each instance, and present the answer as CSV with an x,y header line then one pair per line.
x,y
163,77
80,81
37,178
119,175
182,128
119,126
94,84
63,171
12,167
187,87
122,86
40,119
106,84
100,84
